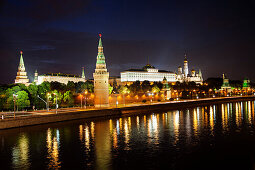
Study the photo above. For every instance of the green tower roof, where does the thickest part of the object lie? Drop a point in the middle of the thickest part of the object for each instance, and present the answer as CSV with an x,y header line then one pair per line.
x,y
100,41
100,55
21,62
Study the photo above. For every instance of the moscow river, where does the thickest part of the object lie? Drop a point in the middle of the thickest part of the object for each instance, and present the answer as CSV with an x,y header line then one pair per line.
x,y
218,136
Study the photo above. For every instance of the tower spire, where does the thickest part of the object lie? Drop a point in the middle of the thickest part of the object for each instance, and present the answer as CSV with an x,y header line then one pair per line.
x,y
83,74
21,74
21,62
100,55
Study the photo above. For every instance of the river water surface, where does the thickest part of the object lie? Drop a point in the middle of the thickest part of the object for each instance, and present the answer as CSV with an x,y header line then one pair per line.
x,y
213,137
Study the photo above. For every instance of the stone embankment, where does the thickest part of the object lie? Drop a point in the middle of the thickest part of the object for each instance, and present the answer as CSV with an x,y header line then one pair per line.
x,y
84,114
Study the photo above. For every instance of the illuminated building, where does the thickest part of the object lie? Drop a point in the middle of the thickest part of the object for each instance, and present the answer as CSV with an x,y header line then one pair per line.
x,y
226,86
186,77
166,89
149,73
59,77
101,78
246,84
152,74
22,74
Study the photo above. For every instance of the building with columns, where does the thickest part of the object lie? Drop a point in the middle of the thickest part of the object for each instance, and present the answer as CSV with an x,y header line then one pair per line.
x,y
149,73
22,74
101,78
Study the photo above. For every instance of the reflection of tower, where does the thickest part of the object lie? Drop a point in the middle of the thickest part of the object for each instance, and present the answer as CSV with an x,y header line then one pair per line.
x,y
101,77
83,74
36,77
185,68
21,74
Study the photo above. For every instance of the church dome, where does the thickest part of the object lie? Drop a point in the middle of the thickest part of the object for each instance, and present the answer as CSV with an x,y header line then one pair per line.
x,y
148,66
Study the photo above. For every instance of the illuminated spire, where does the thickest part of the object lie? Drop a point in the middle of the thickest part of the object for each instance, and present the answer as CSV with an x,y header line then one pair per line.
x,y
185,58
100,55
21,62
83,74
100,41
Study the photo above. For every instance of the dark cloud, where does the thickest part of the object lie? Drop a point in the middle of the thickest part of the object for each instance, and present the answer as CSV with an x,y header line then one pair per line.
x,y
44,10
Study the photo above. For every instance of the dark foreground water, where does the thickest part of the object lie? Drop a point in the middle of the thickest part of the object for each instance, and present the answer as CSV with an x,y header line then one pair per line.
x,y
213,137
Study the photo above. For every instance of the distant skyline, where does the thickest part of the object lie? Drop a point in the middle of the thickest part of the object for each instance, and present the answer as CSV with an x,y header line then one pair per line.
x,y
62,36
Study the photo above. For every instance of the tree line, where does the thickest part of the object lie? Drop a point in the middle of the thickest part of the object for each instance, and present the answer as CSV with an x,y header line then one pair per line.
x,y
29,97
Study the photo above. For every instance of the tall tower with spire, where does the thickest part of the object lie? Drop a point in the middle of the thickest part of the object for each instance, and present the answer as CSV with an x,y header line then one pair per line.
x,y
101,78
185,68
83,74
36,77
21,74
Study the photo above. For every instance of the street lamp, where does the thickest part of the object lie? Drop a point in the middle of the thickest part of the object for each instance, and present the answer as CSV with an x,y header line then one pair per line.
x,y
56,102
117,101
47,103
81,99
86,92
14,100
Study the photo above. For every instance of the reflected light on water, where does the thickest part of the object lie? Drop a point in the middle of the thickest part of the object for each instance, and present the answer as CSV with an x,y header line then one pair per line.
x,y
195,122
53,150
20,153
211,118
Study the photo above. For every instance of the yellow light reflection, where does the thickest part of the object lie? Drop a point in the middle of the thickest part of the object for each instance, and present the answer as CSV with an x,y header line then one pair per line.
x,y
53,150
20,153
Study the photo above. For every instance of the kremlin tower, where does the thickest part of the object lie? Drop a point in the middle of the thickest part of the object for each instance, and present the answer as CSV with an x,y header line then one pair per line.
x,y
21,74
82,73
185,67
101,77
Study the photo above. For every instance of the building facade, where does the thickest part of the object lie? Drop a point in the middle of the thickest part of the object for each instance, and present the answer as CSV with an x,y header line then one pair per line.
x,y
152,74
187,76
148,73
59,77
22,74
101,79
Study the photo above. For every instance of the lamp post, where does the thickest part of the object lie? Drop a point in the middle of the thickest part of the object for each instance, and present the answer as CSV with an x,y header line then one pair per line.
x,y
14,100
47,103
116,100
86,99
56,102
81,99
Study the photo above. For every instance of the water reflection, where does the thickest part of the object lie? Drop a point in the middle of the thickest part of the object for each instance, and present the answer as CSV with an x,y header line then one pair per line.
x,y
53,142
102,143
20,153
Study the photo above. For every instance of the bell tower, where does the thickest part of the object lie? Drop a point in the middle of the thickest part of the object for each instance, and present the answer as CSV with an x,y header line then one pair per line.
x,y
101,78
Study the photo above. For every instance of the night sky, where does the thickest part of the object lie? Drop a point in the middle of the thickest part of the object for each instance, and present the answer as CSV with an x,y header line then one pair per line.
x,y
62,36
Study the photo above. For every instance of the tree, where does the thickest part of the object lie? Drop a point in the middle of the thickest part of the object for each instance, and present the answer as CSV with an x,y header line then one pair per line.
x,y
135,87
68,98
33,92
124,90
70,86
110,89
22,99
146,86
155,89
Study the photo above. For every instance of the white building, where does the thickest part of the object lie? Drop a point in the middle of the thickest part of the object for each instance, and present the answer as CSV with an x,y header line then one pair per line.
x,y
152,74
148,73
59,77
188,77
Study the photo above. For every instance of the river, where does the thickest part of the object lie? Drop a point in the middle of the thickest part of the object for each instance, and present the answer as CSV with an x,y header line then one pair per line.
x,y
211,137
